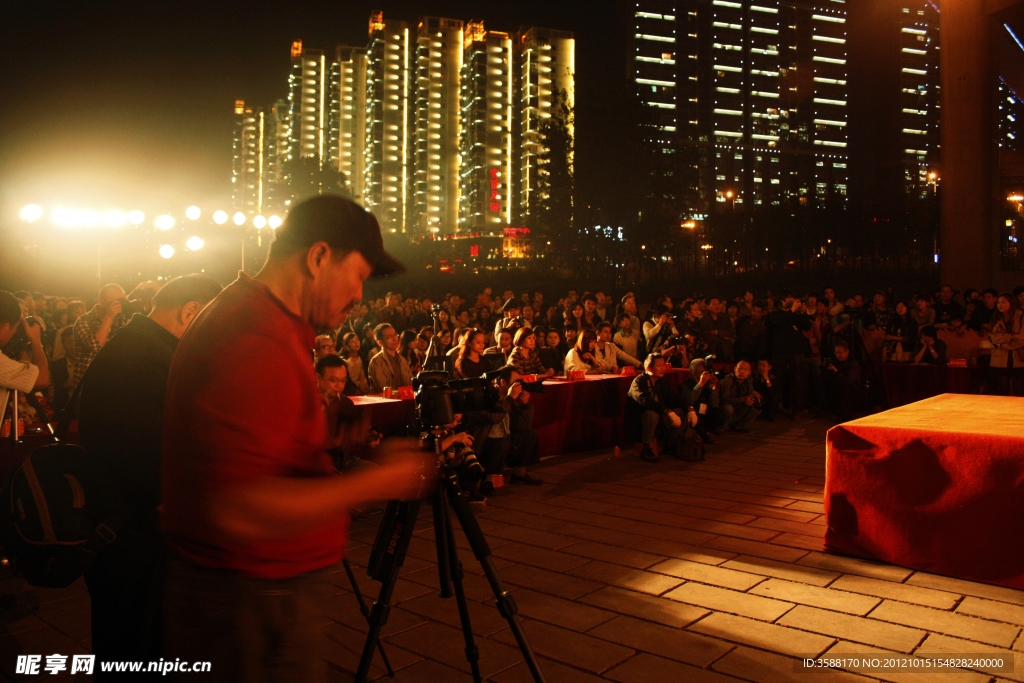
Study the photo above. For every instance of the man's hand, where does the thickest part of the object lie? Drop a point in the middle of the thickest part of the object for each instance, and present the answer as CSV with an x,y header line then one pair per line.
x,y
757,396
674,419
663,320
705,377
749,400
515,390
33,332
524,396
112,310
691,417
550,373
464,438
406,471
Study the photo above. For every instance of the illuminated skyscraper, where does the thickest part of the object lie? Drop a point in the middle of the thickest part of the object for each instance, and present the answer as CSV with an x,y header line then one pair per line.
x,y
308,98
435,148
919,87
545,72
388,121
347,119
249,163
486,140
1011,118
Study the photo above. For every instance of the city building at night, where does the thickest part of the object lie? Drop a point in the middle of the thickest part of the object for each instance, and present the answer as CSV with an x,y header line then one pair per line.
x,y
308,98
347,116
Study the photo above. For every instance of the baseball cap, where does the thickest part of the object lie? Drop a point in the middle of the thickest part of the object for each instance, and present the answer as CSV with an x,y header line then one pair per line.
x,y
342,224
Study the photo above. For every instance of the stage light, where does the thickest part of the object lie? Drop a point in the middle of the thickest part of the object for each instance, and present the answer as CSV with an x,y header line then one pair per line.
x,y
220,218
194,243
114,219
165,222
88,218
167,251
275,222
260,222
136,217
192,213
239,218
31,213
65,218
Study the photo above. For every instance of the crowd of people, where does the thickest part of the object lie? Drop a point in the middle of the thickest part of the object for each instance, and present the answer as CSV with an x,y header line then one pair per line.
x,y
219,442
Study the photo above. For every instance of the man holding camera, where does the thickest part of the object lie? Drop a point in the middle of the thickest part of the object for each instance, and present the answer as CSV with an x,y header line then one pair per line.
x,y
254,513
511,319
94,328
14,374
659,406
703,389
786,326
740,403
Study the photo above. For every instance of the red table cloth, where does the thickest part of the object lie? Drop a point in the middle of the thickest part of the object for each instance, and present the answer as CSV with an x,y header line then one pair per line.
x,y
937,485
569,416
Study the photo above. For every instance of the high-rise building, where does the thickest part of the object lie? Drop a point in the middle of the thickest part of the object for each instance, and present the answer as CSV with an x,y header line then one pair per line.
x,y
486,167
308,98
545,86
748,94
1011,118
388,121
919,88
277,135
435,90
249,163
347,117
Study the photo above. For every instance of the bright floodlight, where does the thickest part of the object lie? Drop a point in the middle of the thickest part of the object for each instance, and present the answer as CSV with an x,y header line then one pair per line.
x,y
220,218
192,212
136,217
66,218
165,222
260,222
194,243
275,222
31,213
114,219
239,218
88,218
167,251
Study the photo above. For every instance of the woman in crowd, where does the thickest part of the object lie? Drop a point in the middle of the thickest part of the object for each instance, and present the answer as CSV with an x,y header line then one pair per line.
x,y
444,342
581,357
576,316
525,357
1007,338
528,315
469,362
900,335
407,350
354,362
484,318
923,314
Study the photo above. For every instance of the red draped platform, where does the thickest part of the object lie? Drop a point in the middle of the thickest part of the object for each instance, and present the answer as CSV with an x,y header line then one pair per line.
x,y
936,485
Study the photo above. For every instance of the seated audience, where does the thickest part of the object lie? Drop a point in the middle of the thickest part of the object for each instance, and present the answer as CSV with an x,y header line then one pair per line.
x,y
356,369
524,356
608,354
900,335
388,368
581,358
628,336
324,346
946,308
470,361
553,353
930,349
501,351
661,410
332,378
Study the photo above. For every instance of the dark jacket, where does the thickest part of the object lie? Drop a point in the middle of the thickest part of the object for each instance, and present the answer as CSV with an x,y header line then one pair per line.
x,y
647,393
734,391
121,412
751,339
785,332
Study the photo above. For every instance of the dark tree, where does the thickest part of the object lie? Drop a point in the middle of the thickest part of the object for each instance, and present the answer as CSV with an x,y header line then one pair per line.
x,y
307,178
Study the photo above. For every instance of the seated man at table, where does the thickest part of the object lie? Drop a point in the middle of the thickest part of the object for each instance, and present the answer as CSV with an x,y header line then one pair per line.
x,y
388,368
740,403
930,349
702,388
332,378
660,410
844,391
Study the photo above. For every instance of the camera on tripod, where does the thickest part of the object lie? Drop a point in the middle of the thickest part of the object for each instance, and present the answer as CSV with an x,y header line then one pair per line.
x,y
439,399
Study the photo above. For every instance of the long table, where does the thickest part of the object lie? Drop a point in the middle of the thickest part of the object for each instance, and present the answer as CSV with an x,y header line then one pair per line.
x,y
570,417
933,486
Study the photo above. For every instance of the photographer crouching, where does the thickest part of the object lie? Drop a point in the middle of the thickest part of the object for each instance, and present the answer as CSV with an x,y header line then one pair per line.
x,y
26,369
254,513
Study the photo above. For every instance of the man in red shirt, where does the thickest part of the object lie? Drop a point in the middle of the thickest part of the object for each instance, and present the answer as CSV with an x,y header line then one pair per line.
x,y
253,511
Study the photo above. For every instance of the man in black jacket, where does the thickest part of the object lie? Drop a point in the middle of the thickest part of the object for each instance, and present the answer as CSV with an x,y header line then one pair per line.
x,y
786,326
120,424
844,389
660,406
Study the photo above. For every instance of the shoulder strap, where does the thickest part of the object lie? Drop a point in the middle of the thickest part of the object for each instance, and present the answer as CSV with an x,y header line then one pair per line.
x,y
67,415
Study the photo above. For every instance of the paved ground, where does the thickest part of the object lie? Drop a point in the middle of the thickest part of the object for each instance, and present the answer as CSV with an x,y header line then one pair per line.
x,y
627,571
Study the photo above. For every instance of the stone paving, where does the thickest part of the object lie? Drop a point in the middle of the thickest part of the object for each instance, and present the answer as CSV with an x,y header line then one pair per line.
x,y
634,572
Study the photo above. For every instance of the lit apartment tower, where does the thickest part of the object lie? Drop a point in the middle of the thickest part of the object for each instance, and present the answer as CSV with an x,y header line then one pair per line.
x,y
247,181
919,85
308,98
545,72
813,101
388,121
1011,118
486,167
434,85
346,139
277,134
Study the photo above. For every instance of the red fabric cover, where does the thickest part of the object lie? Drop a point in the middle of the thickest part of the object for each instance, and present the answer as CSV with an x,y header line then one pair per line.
x,y
569,416
937,485
242,404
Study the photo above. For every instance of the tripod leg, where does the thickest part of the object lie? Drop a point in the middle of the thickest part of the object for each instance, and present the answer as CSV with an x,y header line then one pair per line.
x,y
455,567
400,534
478,542
442,520
366,613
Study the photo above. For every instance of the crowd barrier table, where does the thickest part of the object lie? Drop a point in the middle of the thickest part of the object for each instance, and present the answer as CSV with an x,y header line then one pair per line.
x,y
934,486
569,416
909,382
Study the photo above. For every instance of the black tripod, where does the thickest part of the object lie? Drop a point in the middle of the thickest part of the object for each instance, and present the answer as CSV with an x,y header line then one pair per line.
x,y
388,555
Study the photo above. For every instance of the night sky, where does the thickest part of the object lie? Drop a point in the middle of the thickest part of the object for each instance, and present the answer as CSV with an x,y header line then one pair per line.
x,y
125,104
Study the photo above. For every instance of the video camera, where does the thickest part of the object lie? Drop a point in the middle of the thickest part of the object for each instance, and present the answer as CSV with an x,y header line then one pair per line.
x,y
439,399
131,307
536,387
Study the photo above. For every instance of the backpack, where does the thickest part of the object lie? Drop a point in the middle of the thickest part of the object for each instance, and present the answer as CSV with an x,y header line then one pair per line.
x,y
56,513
